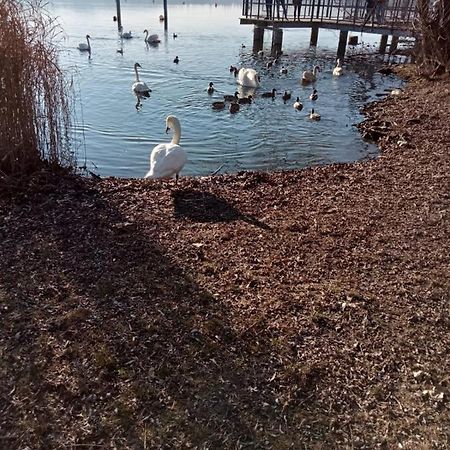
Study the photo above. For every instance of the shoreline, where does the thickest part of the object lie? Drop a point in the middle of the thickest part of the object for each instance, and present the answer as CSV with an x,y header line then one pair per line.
x,y
256,310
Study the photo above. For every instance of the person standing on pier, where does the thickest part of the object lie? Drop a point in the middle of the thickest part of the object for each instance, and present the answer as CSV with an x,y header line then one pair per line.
x,y
283,6
269,9
381,6
297,6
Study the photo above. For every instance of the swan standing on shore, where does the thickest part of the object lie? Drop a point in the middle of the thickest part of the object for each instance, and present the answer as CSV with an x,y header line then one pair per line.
x,y
168,159
83,47
338,70
308,76
248,78
139,87
152,38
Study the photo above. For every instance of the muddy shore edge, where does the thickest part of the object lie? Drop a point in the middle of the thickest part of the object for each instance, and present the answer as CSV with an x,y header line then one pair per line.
x,y
285,310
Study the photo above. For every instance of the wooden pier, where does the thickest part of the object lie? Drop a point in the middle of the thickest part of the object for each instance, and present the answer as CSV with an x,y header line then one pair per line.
x,y
385,17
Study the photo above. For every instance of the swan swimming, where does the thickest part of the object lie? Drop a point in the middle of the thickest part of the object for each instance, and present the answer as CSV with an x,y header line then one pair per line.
x,y
139,87
248,78
168,159
338,70
83,47
152,38
126,35
308,76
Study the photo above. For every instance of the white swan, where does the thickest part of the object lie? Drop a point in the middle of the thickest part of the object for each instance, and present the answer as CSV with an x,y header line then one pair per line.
x,y
396,92
168,159
139,87
126,35
308,76
248,78
152,38
83,47
338,70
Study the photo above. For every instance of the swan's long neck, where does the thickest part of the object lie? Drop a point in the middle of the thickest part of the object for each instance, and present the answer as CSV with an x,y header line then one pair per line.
x,y
89,44
146,35
137,75
176,131
315,70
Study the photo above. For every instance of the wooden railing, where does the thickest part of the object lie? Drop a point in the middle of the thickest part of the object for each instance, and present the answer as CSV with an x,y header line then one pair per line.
x,y
367,14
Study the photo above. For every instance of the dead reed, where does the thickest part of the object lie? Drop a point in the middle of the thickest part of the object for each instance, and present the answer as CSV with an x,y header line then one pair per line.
x,y
434,28
34,96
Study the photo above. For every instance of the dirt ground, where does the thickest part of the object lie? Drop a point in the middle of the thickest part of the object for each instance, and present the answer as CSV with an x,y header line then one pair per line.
x,y
305,309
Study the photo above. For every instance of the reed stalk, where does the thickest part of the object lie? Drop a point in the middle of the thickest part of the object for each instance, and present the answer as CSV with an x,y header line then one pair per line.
x,y
434,29
35,99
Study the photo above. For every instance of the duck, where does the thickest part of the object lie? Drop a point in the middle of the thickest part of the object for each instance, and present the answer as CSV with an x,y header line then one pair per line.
x,y
248,78
83,47
313,115
161,17
210,88
176,60
314,96
167,160
245,100
232,69
286,96
218,105
139,87
298,105
338,70
152,38
283,71
308,76
236,72
231,98
175,35
120,50
269,94
126,35
234,107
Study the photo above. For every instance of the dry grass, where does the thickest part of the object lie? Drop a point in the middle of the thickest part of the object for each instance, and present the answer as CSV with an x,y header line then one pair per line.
x,y
434,29
34,100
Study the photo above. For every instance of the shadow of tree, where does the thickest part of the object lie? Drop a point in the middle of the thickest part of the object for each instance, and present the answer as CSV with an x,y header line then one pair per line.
x,y
108,341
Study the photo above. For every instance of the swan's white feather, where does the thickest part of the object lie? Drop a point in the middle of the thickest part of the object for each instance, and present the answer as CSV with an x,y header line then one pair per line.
x,y
140,87
166,160
248,78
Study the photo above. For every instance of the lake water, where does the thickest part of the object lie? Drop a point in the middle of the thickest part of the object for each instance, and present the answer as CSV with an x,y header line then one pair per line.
x,y
115,138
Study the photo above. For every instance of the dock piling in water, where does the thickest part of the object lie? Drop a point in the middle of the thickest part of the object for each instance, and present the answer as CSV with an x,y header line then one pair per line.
x,y
277,41
258,38
343,35
314,35
383,44
119,16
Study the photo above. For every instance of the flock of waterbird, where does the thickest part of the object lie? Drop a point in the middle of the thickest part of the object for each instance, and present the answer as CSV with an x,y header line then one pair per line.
x,y
168,159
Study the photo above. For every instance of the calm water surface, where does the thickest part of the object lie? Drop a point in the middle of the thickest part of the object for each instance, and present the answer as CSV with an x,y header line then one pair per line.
x,y
116,139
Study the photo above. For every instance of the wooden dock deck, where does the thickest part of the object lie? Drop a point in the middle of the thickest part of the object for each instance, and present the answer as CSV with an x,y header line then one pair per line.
x,y
392,17
385,17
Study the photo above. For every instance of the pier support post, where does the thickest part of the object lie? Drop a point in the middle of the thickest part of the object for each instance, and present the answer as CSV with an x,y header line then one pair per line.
x,y
343,35
277,41
383,44
119,16
314,35
394,44
258,38
166,17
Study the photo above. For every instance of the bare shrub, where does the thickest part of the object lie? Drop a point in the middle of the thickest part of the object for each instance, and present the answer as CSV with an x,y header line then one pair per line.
x,y
434,29
34,97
